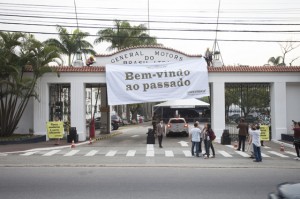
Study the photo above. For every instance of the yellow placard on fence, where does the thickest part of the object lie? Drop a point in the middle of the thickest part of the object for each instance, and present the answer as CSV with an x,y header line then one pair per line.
x,y
265,133
55,130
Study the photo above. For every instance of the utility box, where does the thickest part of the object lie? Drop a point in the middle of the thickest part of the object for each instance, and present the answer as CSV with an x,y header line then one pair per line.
x,y
225,138
150,136
72,135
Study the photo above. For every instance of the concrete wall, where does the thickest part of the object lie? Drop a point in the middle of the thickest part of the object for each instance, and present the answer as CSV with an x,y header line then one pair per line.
x,y
293,104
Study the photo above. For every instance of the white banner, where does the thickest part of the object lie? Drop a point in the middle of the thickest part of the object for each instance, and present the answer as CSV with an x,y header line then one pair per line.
x,y
133,84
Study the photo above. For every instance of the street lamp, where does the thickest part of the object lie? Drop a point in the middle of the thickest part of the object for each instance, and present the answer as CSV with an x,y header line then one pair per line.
x,y
78,59
216,55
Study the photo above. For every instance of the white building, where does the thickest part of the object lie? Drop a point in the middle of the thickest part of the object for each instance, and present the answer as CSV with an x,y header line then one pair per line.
x,y
284,90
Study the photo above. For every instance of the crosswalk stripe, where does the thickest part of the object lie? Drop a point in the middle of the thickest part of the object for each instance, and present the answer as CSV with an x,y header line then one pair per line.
x,y
131,153
150,154
264,155
225,154
150,147
150,150
50,153
28,153
266,147
3,154
111,153
230,146
187,153
246,155
292,153
71,153
278,154
91,153
135,136
169,154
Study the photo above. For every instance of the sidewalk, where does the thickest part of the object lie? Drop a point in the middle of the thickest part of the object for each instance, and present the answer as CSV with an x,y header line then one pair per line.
x,y
51,143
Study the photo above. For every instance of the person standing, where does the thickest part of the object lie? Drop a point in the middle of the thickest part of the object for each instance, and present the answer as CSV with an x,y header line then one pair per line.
x,y
160,131
201,138
208,132
243,132
254,131
195,137
297,139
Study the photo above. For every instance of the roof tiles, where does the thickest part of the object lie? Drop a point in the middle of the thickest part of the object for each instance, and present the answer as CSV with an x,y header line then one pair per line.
x,y
210,69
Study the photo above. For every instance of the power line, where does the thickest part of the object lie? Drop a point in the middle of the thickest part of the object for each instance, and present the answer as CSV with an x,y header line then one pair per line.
x,y
169,38
153,21
156,29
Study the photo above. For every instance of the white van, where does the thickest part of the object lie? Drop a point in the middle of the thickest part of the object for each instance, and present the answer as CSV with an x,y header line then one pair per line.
x,y
177,126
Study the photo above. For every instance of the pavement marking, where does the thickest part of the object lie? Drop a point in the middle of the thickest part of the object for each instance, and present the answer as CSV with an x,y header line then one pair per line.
x,y
169,154
150,154
3,154
230,146
71,153
111,153
135,136
130,153
29,153
50,153
266,147
150,147
264,155
91,153
225,154
292,153
278,154
187,153
246,155
150,150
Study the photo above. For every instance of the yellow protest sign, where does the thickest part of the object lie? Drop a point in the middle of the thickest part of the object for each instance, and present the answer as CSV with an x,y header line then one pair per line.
x,y
265,133
55,130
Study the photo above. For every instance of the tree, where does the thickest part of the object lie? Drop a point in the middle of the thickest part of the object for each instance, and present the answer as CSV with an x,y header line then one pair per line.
x,y
69,44
286,48
18,51
124,35
249,97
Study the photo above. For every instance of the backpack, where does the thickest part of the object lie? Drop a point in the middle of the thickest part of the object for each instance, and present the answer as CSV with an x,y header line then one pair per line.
x,y
212,135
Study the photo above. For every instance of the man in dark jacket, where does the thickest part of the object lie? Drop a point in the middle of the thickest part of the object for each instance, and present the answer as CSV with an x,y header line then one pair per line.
x,y
243,132
160,132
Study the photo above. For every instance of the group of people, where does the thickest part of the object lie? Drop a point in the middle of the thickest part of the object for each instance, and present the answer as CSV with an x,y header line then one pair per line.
x,y
254,131
199,135
206,135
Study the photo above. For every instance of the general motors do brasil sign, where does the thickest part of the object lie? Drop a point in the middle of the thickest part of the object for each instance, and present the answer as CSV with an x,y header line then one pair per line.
x,y
131,84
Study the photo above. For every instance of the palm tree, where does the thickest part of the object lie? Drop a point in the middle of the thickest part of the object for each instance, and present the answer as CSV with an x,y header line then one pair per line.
x,y
124,35
17,51
69,44
278,61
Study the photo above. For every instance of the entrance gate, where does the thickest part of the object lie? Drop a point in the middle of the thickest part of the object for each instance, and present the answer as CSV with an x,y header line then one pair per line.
x,y
248,100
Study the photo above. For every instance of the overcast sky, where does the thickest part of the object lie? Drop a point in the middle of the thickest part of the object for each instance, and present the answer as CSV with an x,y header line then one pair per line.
x,y
188,25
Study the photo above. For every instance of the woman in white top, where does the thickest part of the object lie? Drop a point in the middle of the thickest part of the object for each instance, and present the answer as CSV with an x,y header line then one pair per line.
x,y
254,131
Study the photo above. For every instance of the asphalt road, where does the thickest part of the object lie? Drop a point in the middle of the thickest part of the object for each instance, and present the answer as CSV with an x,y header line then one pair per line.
x,y
141,182
124,166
